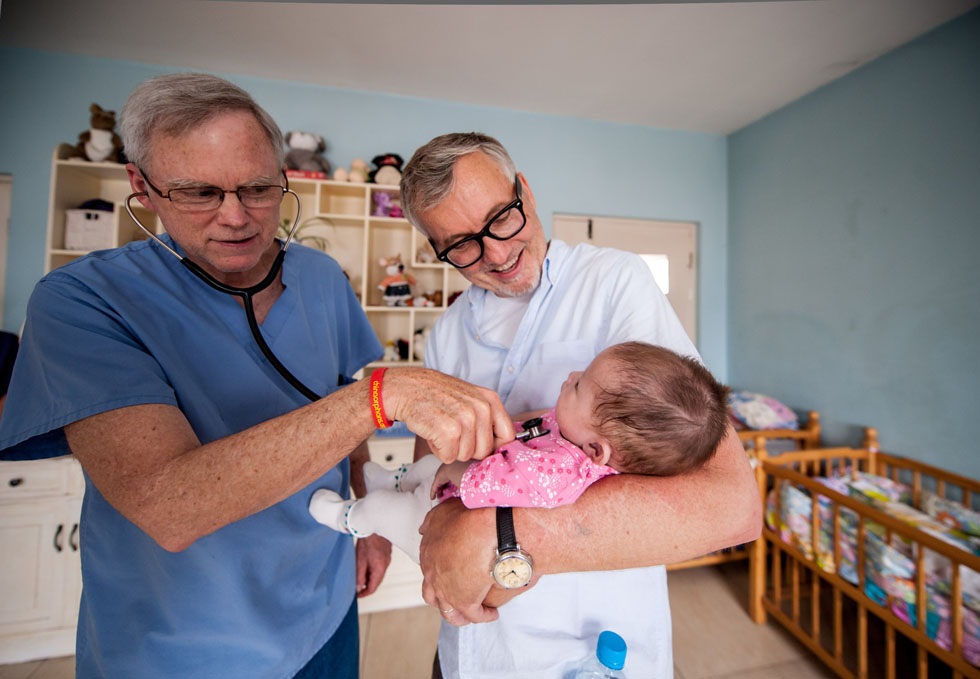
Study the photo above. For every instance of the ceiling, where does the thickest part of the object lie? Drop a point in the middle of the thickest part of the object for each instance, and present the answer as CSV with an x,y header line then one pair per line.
x,y
698,66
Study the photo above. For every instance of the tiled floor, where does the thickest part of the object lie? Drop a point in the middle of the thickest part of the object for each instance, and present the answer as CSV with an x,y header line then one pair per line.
x,y
713,638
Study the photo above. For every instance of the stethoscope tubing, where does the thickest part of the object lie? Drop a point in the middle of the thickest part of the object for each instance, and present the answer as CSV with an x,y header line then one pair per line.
x,y
246,294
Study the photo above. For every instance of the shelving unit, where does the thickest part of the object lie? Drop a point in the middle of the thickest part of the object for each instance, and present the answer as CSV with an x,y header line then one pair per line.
x,y
342,214
75,181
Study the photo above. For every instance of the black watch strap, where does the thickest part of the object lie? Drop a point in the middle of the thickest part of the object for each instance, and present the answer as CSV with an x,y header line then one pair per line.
x,y
505,529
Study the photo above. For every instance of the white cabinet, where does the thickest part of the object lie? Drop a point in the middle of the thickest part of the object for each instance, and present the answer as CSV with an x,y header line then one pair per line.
x,y
338,217
40,583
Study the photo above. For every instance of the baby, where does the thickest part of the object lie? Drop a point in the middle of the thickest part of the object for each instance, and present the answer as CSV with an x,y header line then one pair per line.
x,y
637,408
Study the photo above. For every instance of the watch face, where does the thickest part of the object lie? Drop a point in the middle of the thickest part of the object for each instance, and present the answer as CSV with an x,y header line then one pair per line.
x,y
512,570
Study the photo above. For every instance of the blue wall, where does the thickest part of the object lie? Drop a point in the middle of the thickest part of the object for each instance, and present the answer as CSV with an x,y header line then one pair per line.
x,y
573,165
855,250
839,236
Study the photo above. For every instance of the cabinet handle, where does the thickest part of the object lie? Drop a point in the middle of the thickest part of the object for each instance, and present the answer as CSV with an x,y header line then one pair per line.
x,y
389,457
57,538
73,538
13,483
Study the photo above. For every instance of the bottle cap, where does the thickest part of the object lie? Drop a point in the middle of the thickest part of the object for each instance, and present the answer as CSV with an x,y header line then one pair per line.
x,y
611,650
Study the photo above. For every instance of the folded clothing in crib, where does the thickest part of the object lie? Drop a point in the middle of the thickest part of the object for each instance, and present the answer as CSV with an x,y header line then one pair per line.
x,y
890,560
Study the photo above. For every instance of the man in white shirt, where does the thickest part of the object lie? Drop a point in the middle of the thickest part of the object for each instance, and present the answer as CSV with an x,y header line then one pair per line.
x,y
535,312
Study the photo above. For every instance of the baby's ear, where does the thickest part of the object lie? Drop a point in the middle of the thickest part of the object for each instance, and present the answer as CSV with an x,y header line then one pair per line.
x,y
599,450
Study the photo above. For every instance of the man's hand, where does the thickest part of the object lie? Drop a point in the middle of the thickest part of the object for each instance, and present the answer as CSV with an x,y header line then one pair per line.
x,y
373,559
456,553
459,420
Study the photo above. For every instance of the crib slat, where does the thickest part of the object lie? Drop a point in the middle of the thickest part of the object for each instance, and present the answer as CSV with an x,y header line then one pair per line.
x,y
815,607
838,625
889,652
920,590
777,577
862,643
956,614
795,590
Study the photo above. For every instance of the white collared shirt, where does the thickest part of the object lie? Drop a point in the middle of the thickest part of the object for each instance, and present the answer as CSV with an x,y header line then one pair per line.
x,y
588,299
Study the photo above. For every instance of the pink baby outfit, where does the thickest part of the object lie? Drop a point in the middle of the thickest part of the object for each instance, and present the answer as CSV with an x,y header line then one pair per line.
x,y
546,471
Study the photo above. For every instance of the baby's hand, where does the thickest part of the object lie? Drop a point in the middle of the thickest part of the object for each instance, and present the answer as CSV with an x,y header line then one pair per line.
x,y
446,475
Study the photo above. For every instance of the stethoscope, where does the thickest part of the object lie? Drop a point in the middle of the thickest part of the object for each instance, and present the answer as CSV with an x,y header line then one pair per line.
x,y
246,294
532,430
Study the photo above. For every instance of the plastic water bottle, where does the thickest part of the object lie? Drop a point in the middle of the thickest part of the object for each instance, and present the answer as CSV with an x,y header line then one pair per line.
x,y
608,661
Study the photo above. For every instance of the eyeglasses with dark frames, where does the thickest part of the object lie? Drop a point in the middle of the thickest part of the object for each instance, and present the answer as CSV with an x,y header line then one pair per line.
x,y
502,226
205,197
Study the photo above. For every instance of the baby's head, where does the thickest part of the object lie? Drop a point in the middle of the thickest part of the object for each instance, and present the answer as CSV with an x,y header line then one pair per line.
x,y
644,409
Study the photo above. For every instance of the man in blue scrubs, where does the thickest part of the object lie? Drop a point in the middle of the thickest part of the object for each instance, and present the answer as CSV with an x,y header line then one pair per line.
x,y
199,557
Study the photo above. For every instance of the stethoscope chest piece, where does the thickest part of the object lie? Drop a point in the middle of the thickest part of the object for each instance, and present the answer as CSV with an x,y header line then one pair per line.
x,y
532,430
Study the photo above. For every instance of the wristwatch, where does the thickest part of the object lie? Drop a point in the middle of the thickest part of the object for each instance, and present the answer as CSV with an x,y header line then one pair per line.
x,y
512,566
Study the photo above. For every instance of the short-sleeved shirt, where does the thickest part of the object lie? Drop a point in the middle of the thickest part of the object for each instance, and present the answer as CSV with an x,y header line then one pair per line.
x,y
589,298
133,326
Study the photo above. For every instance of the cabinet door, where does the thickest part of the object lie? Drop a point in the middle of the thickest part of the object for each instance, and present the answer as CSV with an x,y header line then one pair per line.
x,y
70,565
33,540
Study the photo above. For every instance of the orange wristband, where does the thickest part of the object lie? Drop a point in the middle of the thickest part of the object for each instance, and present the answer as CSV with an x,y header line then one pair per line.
x,y
381,420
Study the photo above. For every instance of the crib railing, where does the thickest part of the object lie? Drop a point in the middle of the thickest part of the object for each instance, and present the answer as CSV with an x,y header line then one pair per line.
x,y
823,609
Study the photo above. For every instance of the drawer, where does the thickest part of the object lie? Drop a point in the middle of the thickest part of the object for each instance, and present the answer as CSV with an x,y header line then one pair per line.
x,y
34,478
392,452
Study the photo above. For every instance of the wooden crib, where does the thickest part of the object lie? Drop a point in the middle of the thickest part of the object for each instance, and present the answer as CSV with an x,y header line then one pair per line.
x,y
850,631
804,438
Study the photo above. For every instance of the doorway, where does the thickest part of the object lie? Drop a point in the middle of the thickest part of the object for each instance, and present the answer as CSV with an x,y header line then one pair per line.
x,y
669,248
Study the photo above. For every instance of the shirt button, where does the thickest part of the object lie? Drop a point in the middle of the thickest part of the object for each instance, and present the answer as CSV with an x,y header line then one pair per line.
x,y
510,369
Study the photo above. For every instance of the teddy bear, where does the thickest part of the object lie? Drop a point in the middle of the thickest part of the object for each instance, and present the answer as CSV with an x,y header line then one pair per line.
x,y
396,286
357,174
100,142
388,169
306,152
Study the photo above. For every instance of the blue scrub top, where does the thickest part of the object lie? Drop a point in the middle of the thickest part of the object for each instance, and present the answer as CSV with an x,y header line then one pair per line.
x,y
133,326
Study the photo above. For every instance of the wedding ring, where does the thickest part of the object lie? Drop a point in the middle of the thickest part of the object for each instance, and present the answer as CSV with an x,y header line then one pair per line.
x,y
448,611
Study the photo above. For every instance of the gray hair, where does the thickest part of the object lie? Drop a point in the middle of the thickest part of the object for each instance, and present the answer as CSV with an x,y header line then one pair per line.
x,y
178,102
428,177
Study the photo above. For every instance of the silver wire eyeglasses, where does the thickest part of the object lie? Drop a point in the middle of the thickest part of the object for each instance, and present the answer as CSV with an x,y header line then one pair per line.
x,y
205,198
502,226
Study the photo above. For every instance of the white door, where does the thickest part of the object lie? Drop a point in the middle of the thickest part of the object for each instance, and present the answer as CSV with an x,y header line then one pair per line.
x,y
669,248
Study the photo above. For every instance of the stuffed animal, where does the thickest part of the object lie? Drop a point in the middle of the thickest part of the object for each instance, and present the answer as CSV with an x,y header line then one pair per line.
x,y
386,205
418,344
100,142
420,301
396,286
391,351
357,174
306,153
388,169
425,255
